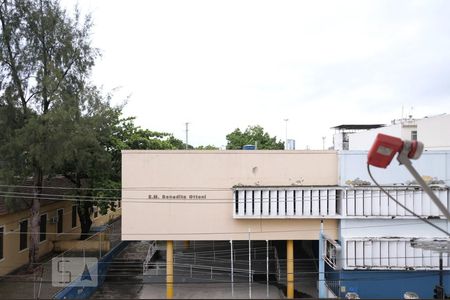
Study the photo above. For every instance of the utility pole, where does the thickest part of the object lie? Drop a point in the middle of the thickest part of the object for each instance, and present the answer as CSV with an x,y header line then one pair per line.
x,y
286,139
323,143
187,130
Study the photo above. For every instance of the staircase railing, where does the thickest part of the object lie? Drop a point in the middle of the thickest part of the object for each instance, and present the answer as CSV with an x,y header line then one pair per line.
x,y
150,252
277,263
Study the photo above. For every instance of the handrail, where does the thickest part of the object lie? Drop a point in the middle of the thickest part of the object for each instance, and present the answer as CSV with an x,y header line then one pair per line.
x,y
150,252
201,267
277,263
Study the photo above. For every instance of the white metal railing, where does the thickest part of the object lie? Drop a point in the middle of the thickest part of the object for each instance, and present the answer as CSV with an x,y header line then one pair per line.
x,y
333,287
322,202
370,201
390,253
193,270
331,250
286,202
150,252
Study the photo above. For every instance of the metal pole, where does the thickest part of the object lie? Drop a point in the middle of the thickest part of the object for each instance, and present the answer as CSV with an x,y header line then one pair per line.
x,y
232,269
322,290
267,268
285,141
404,160
441,277
187,130
249,266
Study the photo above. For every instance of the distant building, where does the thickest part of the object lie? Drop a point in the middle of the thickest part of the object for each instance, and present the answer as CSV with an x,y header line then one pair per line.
x,y
433,131
290,144
343,132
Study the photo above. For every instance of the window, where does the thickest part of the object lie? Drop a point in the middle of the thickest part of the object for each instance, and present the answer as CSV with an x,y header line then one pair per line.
x,y
60,220
74,216
23,242
43,228
414,135
2,232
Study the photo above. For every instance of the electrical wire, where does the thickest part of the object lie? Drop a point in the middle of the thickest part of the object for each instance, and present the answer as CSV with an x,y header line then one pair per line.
x,y
404,207
237,232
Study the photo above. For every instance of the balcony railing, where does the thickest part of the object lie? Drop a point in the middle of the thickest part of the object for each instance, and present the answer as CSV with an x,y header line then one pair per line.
x,y
286,202
389,253
333,202
372,202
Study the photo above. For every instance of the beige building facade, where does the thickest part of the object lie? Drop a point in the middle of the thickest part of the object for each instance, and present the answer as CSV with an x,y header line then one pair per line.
x,y
198,195
58,222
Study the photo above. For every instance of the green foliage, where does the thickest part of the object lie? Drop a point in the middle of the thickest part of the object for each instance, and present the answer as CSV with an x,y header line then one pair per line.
x,y
253,134
207,147
52,119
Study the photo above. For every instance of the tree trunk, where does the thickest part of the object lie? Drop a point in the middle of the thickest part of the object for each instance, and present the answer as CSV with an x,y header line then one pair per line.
x,y
33,253
84,213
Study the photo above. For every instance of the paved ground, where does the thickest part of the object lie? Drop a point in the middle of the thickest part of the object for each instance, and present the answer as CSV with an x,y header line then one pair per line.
x,y
211,291
193,284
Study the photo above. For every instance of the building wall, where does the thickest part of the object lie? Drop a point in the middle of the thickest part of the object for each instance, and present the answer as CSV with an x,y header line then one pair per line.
x,y
14,259
434,132
210,176
363,140
338,140
353,164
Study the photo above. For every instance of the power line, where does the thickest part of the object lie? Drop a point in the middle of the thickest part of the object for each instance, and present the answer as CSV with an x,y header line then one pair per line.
x,y
255,232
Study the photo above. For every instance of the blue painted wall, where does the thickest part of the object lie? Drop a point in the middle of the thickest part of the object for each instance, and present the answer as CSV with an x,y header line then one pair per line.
x,y
388,284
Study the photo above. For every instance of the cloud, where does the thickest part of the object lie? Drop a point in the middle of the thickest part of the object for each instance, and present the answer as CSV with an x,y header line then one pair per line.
x,y
227,64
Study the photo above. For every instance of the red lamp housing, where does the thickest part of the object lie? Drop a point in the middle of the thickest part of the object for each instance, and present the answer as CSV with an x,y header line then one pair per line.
x,y
383,150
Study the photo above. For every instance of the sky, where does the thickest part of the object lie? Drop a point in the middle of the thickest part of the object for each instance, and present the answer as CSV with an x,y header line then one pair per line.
x,y
220,65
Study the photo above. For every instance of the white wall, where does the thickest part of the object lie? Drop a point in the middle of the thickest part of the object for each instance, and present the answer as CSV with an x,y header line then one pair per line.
x,y
363,140
434,132
409,228
338,141
353,164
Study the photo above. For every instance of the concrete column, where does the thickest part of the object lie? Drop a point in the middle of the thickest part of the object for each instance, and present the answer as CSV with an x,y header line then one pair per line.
x,y
169,270
290,268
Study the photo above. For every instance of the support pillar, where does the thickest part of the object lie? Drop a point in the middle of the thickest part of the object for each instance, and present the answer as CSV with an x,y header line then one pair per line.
x,y
290,268
322,287
169,270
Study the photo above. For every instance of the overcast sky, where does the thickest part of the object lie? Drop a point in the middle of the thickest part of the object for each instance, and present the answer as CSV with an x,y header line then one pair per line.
x,y
220,65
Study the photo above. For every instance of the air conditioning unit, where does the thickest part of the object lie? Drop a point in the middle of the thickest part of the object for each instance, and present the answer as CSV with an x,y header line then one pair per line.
x,y
53,220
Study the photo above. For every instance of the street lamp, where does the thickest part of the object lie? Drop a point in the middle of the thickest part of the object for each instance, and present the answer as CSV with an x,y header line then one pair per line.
x,y
286,139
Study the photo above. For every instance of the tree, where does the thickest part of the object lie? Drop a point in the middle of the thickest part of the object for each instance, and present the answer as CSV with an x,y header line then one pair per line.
x,y
86,161
96,158
45,59
251,136
207,147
